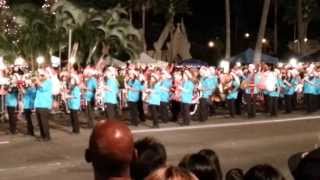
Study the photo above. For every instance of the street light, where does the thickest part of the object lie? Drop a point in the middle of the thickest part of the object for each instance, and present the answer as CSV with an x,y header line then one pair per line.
x,y
264,41
211,44
305,39
247,35
293,62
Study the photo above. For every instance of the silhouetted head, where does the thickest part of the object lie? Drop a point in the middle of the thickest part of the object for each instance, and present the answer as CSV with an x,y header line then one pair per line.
x,y
171,173
234,174
214,159
263,172
111,150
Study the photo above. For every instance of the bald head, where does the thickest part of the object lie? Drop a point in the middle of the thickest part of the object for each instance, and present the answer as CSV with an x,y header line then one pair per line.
x,y
111,148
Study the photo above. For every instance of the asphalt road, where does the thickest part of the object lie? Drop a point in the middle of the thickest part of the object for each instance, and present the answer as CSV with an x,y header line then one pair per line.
x,y
239,143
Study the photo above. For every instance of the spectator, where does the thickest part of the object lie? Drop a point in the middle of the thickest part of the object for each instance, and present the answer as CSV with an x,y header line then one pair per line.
x,y
213,158
309,166
200,166
234,174
111,150
151,155
171,173
263,172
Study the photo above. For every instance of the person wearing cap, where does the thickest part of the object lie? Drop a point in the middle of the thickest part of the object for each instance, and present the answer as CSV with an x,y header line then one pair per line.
x,y
29,95
166,84
91,88
134,87
74,99
111,93
43,103
11,100
186,96
153,98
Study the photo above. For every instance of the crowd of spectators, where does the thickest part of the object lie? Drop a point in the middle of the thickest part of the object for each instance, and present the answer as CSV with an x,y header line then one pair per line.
x,y
114,154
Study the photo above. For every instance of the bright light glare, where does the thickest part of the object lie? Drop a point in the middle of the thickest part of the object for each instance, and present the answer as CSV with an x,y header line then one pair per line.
x,y
238,64
211,44
40,60
305,40
264,40
293,62
246,35
280,64
225,65
19,61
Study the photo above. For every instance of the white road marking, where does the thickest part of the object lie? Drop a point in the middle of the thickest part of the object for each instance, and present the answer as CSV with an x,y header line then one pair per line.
x,y
4,142
221,125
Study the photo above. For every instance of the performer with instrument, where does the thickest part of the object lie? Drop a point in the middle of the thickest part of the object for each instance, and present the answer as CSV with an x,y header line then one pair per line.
x,y
153,98
43,103
29,95
176,96
273,86
166,84
309,89
250,87
187,89
290,84
206,87
12,104
232,92
91,88
74,104
134,87
111,93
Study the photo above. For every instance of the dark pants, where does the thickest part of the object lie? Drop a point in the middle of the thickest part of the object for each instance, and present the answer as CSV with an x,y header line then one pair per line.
x,y
43,116
204,109
288,99
231,107
90,114
154,115
238,102
27,116
164,111
266,104
133,112
12,119
185,111
74,121
273,105
309,102
251,105
141,111
111,111
175,109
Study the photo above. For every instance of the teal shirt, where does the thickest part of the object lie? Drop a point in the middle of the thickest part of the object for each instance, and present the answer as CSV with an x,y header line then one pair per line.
x,y
276,93
309,88
91,89
208,86
135,93
187,92
74,101
29,97
154,97
111,95
234,93
165,94
12,99
44,97
290,90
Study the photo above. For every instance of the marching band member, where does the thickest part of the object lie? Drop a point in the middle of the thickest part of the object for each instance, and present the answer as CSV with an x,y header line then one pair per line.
x,y
134,87
91,88
166,84
43,103
232,94
309,89
153,98
187,89
29,95
290,84
273,86
176,95
251,91
207,86
111,93
74,99
12,104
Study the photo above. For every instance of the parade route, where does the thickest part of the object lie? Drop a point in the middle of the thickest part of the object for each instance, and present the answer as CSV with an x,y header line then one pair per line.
x,y
239,143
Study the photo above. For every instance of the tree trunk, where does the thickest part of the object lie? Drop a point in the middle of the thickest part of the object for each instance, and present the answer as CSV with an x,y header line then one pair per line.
x,y
162,39
262,29
144,27
301,33
275,36
228,30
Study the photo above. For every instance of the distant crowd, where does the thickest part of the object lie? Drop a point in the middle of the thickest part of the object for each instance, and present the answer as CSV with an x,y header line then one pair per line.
x,y
114,155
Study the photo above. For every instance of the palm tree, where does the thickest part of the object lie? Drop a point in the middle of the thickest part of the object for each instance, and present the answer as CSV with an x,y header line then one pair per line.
x,y
228,30
262,29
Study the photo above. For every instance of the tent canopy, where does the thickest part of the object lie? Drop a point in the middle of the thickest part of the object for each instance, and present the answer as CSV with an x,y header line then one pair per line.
x,y
315,56
193,62
246,57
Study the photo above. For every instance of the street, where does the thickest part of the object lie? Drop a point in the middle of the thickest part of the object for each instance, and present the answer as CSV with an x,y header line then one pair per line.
x,y
240,143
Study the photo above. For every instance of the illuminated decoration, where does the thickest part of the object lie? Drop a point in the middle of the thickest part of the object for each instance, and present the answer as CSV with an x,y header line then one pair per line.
x,y
19,61
48,3
3,4
293,62
40,60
